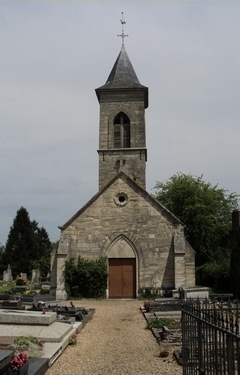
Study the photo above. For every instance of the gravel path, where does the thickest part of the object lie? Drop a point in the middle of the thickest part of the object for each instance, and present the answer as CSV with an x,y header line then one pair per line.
x,y
115,341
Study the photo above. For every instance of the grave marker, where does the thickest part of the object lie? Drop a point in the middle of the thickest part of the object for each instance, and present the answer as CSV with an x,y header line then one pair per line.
x,y
7,275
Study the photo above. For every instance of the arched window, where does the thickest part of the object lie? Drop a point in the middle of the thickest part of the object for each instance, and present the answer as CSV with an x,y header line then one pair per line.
x,y
121,131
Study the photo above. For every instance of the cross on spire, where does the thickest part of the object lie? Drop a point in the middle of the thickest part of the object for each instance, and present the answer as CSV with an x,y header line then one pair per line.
x,y
122,35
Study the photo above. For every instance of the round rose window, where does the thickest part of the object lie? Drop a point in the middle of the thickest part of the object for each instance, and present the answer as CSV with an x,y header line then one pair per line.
x,y
121,199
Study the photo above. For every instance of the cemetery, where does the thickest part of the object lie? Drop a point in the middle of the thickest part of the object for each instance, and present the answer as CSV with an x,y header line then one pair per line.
x,y
29,313
39,318
36,328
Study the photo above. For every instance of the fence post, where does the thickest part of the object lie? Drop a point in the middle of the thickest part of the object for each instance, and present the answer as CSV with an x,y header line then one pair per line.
x,y
230,354
184,359
200,347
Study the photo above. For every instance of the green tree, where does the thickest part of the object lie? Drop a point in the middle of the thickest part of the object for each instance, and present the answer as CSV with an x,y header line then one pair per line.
x,y
43,250
1,260
26,244
205,210
235,266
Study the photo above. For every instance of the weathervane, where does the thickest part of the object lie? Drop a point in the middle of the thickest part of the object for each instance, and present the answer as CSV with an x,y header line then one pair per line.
x,y
122,35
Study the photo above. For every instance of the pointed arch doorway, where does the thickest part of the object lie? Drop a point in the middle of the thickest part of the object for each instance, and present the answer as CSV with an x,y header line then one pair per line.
x,y
122,270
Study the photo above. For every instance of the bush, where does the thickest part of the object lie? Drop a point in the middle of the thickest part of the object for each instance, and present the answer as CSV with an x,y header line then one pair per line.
x,y
21,281
152,293
86,279
44,291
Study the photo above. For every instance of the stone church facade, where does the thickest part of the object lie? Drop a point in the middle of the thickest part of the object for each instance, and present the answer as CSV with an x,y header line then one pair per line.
x,y
143,242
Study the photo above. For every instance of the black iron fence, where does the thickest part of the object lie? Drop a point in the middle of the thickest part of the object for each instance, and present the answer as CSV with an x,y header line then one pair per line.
x,y
210,338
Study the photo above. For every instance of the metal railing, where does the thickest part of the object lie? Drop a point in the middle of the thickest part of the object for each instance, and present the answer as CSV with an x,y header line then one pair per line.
x,y
210,338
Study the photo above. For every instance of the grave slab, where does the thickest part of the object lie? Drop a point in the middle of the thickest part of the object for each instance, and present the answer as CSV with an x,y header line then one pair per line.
x,y
37,366
53,333
169,314
5,358
26,317
5,296
55,337
12,304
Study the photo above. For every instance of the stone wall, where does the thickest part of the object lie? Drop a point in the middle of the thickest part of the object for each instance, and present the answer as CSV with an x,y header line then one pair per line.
x,y
147,226
133,160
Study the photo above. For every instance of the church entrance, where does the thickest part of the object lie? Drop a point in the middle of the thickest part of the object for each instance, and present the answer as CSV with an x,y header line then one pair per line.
x,y
122,277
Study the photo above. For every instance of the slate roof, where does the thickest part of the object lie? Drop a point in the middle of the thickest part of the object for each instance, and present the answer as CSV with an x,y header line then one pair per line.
x,y
123,76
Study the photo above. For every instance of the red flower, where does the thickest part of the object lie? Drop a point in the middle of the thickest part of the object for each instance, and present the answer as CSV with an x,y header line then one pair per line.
x,y
18,361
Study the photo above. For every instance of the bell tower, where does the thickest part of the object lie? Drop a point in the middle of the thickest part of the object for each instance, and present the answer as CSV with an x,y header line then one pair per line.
x,y
122,136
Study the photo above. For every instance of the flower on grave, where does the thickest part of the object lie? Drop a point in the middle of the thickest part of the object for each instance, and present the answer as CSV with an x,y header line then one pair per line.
x,y
31,345
40,344
146,304
73,339
21,280
18,361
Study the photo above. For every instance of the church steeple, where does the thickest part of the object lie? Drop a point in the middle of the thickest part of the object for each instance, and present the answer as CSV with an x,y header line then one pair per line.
x,y
122,138
123,76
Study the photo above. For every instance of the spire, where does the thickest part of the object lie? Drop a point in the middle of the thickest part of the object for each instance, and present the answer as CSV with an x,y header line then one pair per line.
x,y
122,75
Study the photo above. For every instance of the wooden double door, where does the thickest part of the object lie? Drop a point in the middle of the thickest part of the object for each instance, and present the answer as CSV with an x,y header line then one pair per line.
x,y
122,277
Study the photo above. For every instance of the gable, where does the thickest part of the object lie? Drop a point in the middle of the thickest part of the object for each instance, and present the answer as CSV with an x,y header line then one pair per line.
x,y
123,196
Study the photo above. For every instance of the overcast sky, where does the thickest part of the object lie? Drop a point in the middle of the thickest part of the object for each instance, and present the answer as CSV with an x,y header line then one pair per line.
x,y
54,55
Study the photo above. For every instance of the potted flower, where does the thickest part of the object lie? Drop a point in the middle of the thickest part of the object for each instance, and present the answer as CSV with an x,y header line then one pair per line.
x,y
28,344
163,335
19,364
164,354
165,351
73,339
146,305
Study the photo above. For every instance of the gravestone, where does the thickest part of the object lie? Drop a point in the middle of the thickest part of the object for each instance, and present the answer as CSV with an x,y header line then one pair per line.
x,y
23,275
35,276
7,275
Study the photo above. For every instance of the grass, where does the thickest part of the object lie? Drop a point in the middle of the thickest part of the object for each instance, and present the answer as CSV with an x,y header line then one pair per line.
x,y
213,290
5,286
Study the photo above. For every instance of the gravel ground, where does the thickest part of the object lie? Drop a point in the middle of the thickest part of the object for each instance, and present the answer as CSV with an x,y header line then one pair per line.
x,y
115,341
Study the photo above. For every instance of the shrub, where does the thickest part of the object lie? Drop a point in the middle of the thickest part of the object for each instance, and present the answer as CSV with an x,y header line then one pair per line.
x,y
152,292
86,278
21,281
44,291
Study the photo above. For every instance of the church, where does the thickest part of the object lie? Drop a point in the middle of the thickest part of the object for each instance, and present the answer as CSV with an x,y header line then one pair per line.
x,y
143,242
